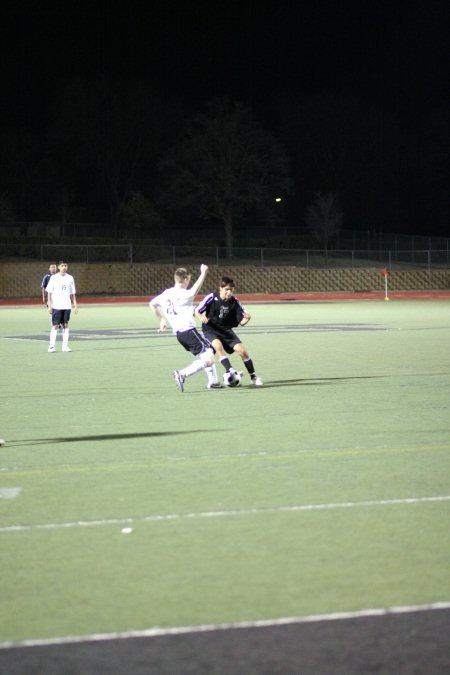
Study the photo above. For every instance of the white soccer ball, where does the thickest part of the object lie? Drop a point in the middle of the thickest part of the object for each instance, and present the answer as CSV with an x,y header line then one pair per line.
x,y
232,378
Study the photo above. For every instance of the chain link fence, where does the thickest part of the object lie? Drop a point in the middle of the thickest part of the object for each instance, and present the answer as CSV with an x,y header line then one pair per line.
x,y
310,258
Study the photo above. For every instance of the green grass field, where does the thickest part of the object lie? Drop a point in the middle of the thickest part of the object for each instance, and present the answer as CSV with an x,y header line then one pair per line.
x,y
327,490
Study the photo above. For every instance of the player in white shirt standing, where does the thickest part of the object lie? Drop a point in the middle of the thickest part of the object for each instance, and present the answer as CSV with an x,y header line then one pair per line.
x,y
61,299
175,306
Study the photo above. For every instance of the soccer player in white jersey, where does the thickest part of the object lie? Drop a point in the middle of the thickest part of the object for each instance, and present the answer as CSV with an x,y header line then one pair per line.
x,y
175,306
61,299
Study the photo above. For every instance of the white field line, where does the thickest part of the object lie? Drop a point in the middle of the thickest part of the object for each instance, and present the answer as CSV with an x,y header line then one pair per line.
x,y
9,493
23,339
224,514
208,628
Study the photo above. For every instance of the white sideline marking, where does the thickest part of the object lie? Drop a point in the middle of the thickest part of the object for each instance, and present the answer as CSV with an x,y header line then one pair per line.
x,y
224,514
21,339
9,493
206,628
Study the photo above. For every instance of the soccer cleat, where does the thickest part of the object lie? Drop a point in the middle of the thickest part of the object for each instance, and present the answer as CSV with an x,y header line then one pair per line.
x,y
179,379
257,381
51,349
66,349
214,385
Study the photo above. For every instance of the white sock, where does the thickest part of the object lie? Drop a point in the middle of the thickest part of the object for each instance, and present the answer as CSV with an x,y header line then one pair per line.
x,y
195,367
53,334
65,337
211,372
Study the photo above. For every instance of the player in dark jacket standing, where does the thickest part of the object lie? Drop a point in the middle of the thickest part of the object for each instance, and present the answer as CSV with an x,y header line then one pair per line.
x,y
220,313
51,271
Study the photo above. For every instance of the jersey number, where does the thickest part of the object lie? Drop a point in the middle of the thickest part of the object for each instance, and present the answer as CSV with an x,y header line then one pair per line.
x,y
170,307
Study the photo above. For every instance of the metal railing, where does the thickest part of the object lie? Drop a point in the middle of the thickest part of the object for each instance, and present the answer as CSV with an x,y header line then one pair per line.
x,y
259,234
88,253
309,258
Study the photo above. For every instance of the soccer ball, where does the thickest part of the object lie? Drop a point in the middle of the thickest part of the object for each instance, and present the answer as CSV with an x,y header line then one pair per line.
x,y
232,378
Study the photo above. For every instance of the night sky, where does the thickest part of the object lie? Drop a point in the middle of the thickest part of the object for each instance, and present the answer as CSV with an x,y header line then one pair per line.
x,y
391,55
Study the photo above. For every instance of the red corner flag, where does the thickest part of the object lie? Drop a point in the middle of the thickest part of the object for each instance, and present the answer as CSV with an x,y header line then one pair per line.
x,y
385,272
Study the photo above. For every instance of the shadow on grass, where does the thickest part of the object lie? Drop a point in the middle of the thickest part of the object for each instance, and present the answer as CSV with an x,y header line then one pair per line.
x,y
101,437
314,382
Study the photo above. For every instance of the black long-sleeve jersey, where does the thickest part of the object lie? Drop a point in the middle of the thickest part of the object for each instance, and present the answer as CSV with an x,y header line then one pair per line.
x,y
45,280
223,313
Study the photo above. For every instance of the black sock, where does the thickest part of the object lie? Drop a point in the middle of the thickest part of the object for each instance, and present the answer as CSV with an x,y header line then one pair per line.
x,y
226,363
250,368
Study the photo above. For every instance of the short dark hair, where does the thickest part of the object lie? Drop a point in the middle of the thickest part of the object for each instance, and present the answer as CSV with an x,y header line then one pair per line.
x,y
226,281
181,274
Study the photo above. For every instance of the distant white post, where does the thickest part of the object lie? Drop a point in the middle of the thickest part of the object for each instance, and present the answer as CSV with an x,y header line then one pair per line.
x,y
385,273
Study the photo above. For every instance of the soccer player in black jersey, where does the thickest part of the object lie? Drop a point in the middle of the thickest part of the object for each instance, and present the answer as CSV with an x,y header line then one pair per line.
x,y
220,313
51,271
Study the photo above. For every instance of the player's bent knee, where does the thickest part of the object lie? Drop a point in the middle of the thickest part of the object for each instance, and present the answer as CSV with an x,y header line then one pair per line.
x,y
207,357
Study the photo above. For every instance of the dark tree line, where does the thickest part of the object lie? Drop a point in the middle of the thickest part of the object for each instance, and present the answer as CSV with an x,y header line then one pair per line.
x,y
226,168
116,151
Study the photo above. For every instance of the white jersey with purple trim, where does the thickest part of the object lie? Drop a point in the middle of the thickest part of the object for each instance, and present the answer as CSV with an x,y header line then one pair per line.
x,y
176,305
61,287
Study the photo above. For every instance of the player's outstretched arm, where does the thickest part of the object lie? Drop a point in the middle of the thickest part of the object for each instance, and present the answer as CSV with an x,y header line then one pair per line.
x,y
198,284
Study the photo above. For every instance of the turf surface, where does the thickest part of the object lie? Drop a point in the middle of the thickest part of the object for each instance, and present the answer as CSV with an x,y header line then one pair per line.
x,y
327,490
